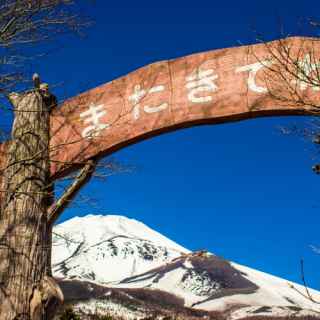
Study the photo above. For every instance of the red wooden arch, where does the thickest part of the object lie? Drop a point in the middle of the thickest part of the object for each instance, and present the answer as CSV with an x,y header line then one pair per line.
x,y
205,88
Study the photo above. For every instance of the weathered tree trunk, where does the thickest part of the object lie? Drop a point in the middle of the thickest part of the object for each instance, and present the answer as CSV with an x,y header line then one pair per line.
x,y
26,291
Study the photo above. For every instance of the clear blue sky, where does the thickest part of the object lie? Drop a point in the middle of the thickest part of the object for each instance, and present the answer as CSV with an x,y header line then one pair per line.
x,y
240,190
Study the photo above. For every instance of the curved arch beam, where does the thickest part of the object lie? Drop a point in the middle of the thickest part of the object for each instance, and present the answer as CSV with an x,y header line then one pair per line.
x,y
205,88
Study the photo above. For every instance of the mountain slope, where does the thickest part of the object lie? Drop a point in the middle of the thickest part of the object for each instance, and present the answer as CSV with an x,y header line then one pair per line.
x,y
198,278
108,248
208,282
127,260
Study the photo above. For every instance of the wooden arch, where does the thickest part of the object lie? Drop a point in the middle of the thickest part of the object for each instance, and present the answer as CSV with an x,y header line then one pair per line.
x,y
267,79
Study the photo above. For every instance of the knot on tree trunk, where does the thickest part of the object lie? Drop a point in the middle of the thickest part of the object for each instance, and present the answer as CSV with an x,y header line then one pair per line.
x,y
46,299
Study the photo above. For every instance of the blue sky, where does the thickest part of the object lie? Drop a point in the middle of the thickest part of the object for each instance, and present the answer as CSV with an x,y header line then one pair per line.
x,y
241,190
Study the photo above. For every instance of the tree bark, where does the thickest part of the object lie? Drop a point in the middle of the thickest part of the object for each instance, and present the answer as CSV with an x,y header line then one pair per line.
x,y
26,290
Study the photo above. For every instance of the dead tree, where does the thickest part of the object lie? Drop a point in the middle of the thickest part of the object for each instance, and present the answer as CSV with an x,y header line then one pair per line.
x,y
27,291
23,222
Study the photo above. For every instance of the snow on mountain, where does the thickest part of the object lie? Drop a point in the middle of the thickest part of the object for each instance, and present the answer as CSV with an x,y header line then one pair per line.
x,y
197,278
273,291
208,282
124,254
108,248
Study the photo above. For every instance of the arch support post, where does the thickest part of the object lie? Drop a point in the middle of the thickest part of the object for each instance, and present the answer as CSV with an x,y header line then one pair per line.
x,y
27,292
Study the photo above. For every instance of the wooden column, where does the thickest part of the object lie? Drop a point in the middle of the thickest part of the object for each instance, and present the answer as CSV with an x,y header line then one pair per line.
x,y
26,291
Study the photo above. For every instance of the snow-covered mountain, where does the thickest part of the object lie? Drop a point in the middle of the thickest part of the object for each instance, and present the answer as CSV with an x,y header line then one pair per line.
x,y
114,262
108,248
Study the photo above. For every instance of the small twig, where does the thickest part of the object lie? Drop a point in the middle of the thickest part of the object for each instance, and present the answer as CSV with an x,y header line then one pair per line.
x,y
308,294
304,281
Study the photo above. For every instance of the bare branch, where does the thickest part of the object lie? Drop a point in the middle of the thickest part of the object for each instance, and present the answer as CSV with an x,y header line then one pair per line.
x,y
307,293
83,177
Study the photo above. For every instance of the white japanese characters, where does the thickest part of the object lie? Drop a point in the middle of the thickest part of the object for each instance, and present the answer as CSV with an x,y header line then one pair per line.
x,y
137,98
92,117
200,84
200,87
305,69
253,69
